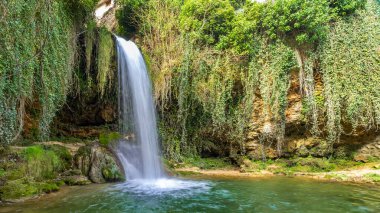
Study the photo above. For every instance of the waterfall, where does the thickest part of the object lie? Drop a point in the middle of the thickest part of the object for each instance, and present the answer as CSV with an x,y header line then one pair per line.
x,y
138,150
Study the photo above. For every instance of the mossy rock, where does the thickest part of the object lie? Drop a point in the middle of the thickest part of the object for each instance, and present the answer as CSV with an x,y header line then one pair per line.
x,y
76,180
83,159
98,164
74,177
26,187
17,189
112,173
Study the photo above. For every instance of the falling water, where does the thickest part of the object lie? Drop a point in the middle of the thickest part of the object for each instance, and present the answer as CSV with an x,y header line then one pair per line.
x,y
138,150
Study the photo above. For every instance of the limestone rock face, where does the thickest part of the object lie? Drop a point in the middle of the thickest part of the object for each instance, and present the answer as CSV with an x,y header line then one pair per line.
x,y
98,164
298,142
105,14
369,151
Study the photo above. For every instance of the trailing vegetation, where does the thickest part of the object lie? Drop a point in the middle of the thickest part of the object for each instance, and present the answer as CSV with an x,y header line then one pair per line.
x,y
350,56
38,40
223,58
50,49
105,52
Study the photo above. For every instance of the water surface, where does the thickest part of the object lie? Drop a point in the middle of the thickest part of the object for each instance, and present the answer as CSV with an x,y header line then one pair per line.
x,y
275,194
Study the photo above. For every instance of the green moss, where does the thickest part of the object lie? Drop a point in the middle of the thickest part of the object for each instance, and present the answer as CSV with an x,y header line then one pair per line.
x,y
63,154
208,163
112,173
27,187
48,187
17,189
253,166
106,138
76,181
309,164
105,52
317,164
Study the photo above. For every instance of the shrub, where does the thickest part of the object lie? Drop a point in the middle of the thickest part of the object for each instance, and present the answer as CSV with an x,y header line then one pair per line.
x,y
41,163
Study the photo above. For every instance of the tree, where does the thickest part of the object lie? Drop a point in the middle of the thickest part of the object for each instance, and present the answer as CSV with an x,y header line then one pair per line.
x,y
207,20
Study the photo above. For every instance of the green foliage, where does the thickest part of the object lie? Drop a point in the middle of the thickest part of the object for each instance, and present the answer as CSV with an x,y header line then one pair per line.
x,y
206,21
17,189
171,142
237,4
273,65
41,163
38,50
350,65
106,138
162,45
90,41
105,53
79,10
207,163
242,38
62,153
112,173
346,7
128,17
26,187
209,69
299,21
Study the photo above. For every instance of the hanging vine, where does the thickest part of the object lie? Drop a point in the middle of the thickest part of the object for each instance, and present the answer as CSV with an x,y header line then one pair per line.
x,y
38,40
351,68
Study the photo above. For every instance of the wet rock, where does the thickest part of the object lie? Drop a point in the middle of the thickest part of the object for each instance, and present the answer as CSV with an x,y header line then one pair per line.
x,y
74,177
98,164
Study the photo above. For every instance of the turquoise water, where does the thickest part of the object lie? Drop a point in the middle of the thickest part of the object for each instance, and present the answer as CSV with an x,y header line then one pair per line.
x,y
277,194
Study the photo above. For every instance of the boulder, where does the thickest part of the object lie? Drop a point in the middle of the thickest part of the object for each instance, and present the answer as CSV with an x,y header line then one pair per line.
x,y
74,177
98,163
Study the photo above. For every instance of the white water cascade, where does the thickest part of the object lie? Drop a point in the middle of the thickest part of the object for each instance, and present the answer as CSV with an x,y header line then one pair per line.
x,y
138,150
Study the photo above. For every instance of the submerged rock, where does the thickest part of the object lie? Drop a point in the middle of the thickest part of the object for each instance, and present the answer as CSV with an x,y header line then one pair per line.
x,y
98,164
